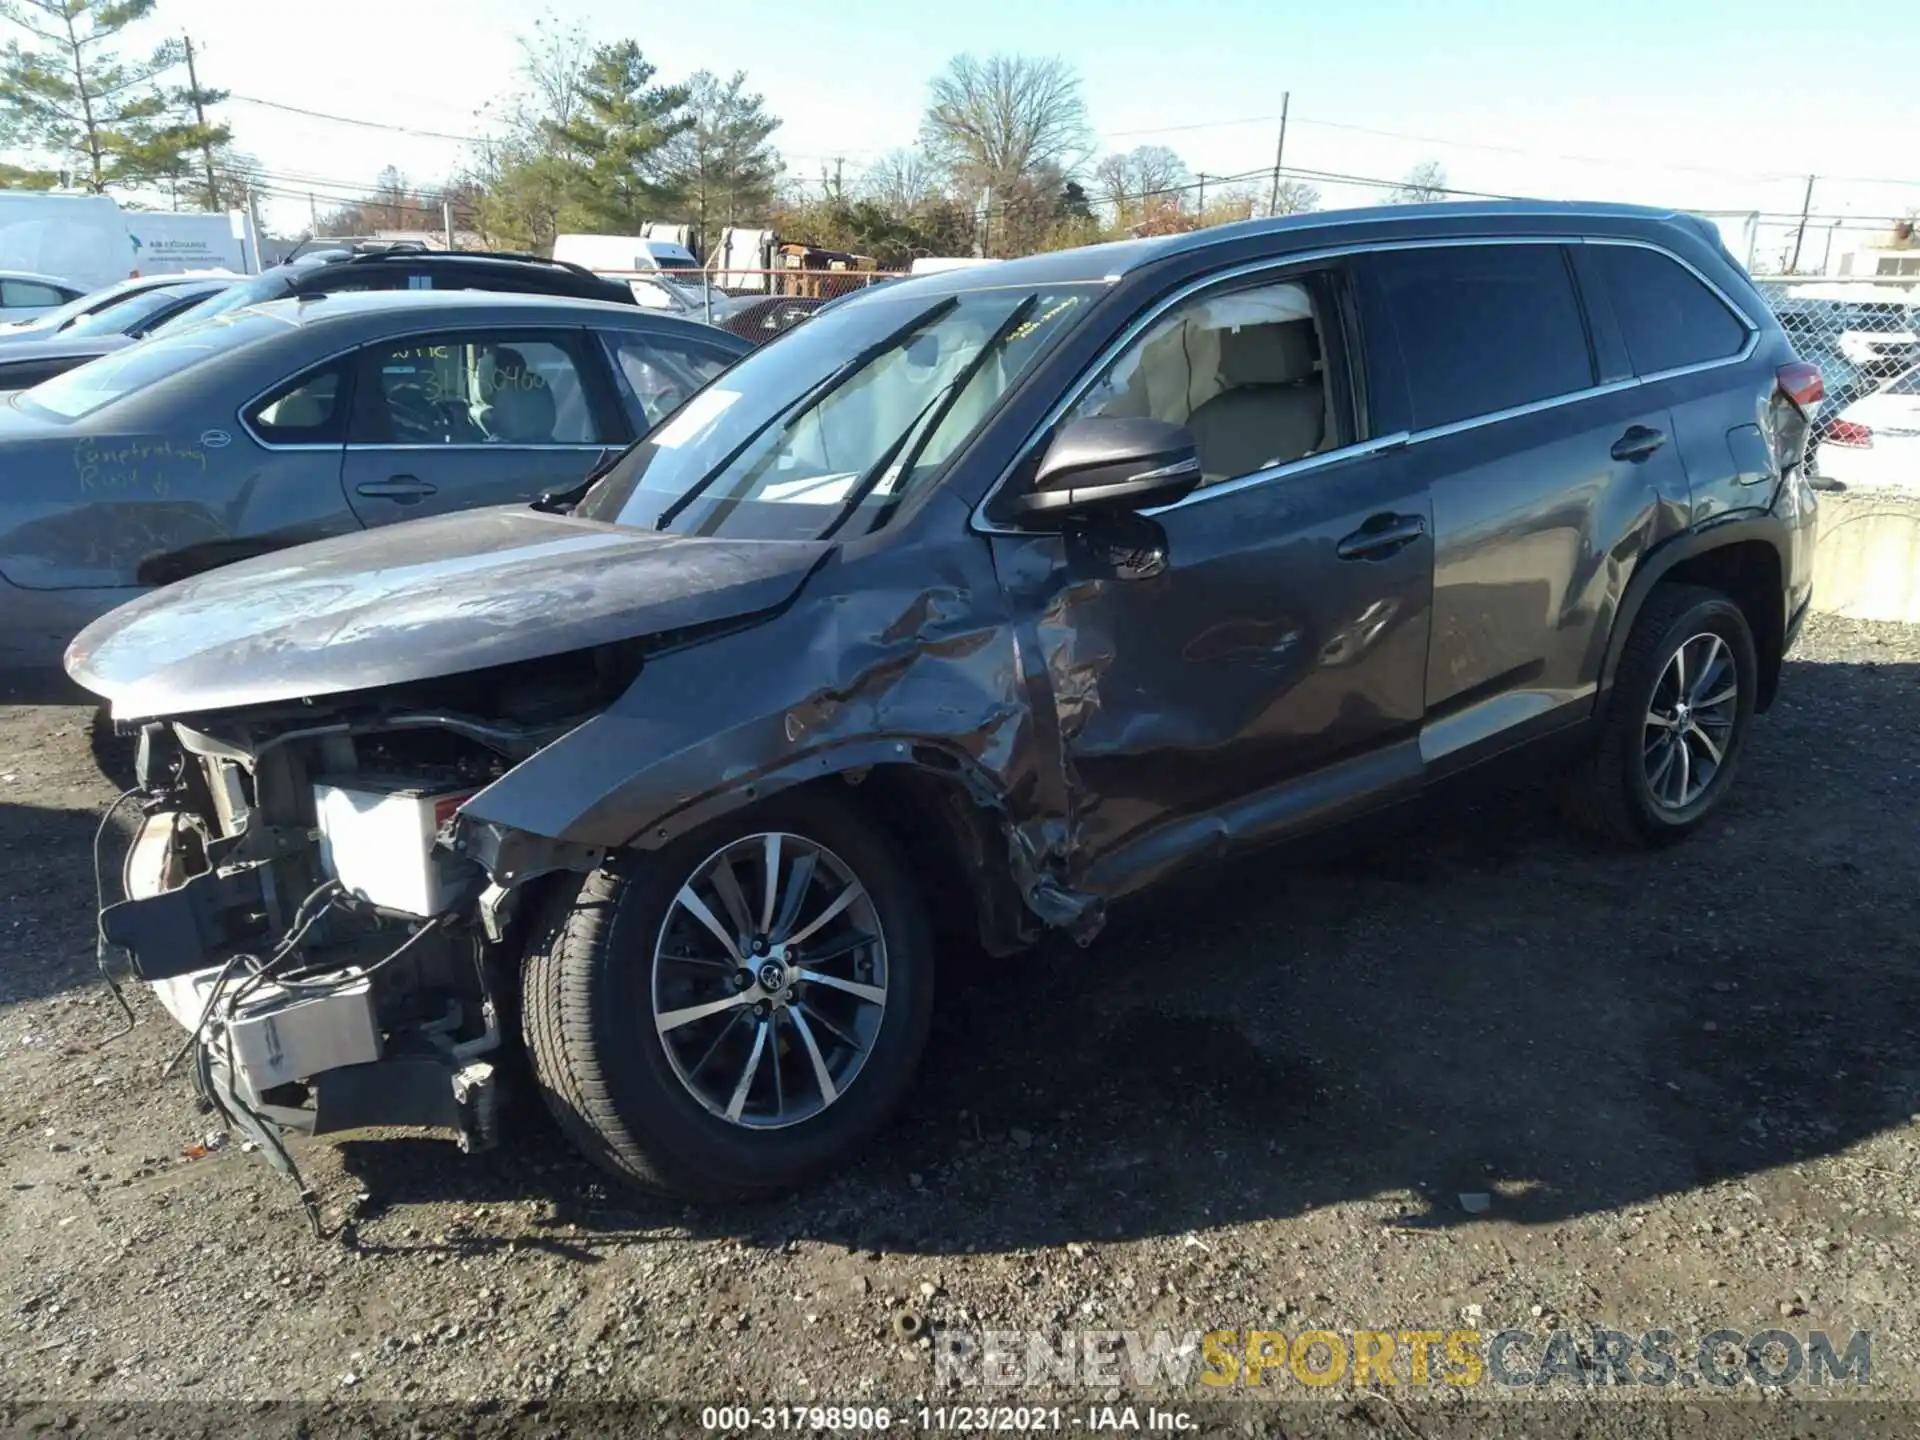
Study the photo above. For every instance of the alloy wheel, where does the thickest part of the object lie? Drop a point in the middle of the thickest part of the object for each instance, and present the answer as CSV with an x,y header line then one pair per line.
x,y
769,980
1690,721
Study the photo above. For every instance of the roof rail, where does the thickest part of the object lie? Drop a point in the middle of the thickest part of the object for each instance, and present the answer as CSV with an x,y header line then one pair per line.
x,y
523,256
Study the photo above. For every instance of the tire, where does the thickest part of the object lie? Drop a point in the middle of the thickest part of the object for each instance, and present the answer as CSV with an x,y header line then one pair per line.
x,y
1611,792
608,1073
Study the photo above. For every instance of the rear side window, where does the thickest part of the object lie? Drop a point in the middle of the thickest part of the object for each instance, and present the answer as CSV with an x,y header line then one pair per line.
x,y
1483,328
1668,317
28,294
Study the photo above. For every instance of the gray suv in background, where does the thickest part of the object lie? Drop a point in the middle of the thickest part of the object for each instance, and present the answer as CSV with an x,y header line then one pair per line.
x,y
976,603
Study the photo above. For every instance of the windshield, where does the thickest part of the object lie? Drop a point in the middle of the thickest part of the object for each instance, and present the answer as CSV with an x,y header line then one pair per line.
x,y
114,377
828,429
123,317
73,309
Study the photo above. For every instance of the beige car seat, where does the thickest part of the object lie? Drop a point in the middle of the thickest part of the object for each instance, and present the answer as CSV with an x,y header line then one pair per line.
x,y
1272,404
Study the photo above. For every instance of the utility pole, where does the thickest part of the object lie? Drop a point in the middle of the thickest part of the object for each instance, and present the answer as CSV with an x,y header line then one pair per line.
x,y
1801,234
839,195
1279,154
1200,205
200,113
446,218
313,214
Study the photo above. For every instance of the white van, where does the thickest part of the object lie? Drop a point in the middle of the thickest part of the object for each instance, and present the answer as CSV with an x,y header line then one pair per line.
x,y
614,254
81,239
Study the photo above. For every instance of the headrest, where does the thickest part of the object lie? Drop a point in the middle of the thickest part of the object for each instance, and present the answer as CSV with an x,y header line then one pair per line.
x,y
1282,354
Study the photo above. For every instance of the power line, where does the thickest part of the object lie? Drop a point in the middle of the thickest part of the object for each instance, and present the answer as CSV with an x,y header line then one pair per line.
x,y
364,124
1638,160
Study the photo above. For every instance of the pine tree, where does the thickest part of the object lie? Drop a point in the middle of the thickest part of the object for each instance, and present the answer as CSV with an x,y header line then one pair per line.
x,y
721,164
66,93
619,138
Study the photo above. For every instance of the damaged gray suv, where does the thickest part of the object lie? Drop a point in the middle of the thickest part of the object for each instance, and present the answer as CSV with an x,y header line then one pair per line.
x,y
978,602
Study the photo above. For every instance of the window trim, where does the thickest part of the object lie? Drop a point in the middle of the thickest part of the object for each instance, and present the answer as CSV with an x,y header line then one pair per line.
x,y
982,523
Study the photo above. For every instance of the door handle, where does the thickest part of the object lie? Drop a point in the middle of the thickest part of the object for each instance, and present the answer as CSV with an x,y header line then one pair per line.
x,y
1381,536
402,489
1638,443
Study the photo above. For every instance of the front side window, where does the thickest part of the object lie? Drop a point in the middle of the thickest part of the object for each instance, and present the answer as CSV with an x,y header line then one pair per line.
x,y
474,390
1483,328
1244,370
829,430
1667,317
660,373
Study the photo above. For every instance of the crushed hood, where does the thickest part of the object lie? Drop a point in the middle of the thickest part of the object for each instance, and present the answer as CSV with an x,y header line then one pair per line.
x,y
416,601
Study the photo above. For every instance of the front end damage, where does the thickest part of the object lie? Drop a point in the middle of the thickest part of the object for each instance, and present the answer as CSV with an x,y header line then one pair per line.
x,y
299,902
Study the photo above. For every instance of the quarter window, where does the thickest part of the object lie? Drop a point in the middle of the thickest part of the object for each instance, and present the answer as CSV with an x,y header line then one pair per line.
x,y
1244,370
309,410
1667,316
1484,328
473,390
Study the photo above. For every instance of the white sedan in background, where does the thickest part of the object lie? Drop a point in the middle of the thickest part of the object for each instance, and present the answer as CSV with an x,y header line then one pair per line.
x,y
25,296
1874,443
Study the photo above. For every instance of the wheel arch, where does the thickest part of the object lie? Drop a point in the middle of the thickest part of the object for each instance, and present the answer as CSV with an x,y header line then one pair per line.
x,y
945,813
1745,558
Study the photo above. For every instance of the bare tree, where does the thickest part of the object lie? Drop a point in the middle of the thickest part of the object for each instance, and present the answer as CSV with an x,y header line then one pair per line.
x,y
1425,183
1000,121
902,182
1294,197
1151,176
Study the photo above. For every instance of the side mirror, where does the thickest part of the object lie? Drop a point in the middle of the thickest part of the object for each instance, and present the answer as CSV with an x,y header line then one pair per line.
x,y
1106,466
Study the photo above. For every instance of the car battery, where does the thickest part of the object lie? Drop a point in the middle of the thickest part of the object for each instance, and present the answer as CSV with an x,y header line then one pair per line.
x,y
376,839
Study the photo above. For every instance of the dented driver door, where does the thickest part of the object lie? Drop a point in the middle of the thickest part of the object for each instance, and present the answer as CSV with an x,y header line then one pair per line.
x,y
1249,662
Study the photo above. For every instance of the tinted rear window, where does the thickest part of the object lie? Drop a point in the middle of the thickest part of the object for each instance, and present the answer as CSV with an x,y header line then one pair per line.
x,y
1668,317
1484,328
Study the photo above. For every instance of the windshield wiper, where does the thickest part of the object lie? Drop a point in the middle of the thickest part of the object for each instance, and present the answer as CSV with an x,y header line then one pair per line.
x,y
946,397
859,361
560,502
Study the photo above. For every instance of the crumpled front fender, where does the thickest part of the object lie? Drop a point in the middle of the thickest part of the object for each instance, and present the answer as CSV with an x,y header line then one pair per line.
x,y
904,656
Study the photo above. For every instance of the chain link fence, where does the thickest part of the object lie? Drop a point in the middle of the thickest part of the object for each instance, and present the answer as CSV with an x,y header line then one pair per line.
x,y
756,305
1864,334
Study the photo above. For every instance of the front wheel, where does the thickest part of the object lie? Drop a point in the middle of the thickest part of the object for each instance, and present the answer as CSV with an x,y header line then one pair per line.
x,y
738,1012
1676,720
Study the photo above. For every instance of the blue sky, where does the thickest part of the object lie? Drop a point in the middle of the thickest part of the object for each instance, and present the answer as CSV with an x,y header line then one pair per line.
x,y
1707,104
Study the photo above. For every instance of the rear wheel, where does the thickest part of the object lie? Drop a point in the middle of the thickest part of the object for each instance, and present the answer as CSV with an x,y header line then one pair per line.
x,y
738,1012
1676,720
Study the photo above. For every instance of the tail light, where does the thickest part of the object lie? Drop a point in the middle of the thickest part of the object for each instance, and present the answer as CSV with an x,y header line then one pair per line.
x,y
1800,381
1850,433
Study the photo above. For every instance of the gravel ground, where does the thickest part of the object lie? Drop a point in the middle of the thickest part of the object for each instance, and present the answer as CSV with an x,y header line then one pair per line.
x,y
1683,1084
